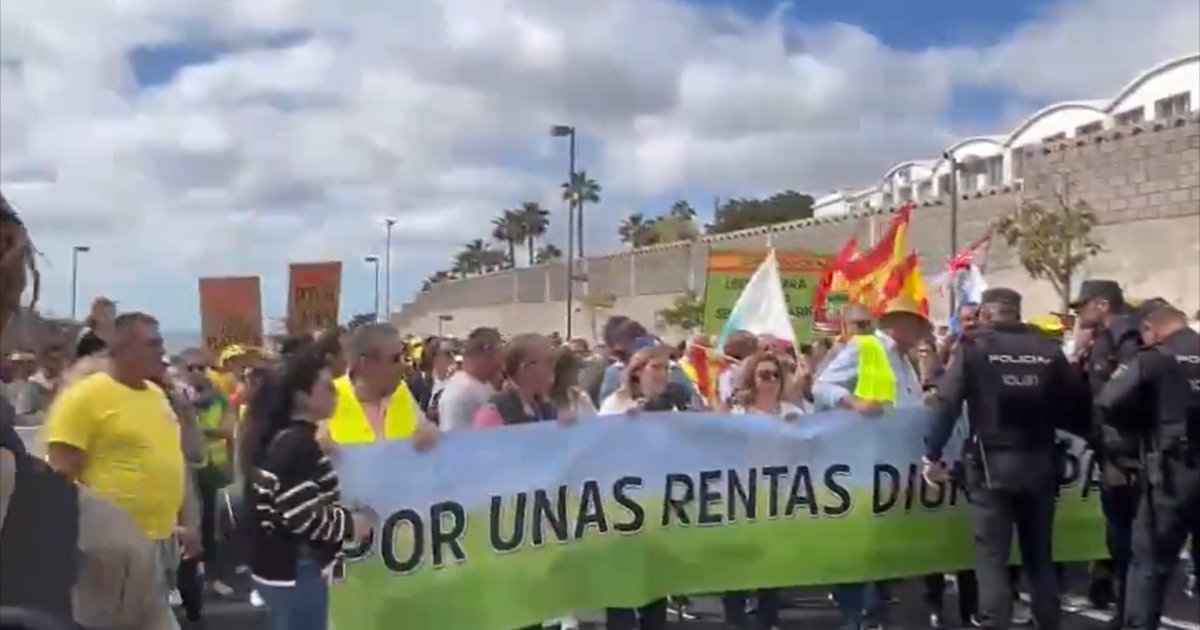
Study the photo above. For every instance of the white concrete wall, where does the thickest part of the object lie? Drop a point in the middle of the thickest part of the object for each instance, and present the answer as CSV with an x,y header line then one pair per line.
x,y
965,152
903,181
1177,77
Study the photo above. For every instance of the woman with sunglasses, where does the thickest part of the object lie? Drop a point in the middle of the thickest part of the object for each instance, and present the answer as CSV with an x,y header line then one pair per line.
x,y
524,398
646,387
761,392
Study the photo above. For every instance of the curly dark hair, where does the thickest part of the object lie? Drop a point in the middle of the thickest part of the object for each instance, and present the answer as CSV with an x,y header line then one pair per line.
x,y
18,260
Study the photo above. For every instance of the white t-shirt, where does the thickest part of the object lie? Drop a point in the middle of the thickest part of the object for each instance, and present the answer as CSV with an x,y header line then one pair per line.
x,y
615,405
785,409
582,405
462,396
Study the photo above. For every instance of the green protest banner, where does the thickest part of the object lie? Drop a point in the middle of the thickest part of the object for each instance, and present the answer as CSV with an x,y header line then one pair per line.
x,y
503,529
728,273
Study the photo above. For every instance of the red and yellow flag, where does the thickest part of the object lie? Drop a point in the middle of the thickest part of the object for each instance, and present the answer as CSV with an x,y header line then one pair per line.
x,y
863,277
703,366
832,282
904,290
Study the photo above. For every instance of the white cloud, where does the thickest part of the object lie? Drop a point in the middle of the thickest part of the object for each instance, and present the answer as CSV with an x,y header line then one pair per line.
x,y
436,112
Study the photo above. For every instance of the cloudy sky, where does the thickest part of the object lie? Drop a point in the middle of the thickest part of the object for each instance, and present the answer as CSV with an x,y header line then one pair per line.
x,y
188,138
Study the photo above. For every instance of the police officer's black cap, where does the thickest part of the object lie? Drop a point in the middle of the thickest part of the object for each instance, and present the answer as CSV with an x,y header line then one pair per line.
x,y
1001,295
1098,290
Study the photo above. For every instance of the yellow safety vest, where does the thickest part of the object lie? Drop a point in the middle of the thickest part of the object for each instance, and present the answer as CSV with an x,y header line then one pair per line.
x,y
876,379
216,449
349,423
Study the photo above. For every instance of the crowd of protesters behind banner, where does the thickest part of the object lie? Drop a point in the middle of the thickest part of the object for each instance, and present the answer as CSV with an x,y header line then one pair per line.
x,y
192,468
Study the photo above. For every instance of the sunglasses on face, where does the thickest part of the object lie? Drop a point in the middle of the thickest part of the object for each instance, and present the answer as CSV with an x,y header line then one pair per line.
x,y
767,375
196,368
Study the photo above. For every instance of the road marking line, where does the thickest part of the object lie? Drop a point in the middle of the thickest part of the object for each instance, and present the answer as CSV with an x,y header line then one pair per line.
x,y
1103,616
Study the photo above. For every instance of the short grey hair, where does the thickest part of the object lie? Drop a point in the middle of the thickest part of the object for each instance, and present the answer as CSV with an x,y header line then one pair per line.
x,y
365,338
125,323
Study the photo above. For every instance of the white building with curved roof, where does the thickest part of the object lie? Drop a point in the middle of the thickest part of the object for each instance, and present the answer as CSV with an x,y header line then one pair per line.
x,y
1165,91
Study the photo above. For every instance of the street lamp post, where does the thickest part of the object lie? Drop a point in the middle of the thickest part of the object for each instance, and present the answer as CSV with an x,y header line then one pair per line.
x,y
75,252
387,270
953,225
374,260
568,132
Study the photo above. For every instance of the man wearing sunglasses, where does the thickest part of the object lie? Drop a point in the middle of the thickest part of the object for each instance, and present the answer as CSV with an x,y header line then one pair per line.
x,y
373,402
214,413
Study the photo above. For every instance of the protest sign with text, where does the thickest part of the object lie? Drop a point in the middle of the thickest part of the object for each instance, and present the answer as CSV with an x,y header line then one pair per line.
x,y
500,529
729,272
231,312
314,295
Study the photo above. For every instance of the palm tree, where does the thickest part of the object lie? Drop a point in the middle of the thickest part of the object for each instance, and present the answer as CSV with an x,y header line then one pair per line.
x,y
673,229
548,253
509,229
471,259
495,259
682,210
534,221
578,191
637,231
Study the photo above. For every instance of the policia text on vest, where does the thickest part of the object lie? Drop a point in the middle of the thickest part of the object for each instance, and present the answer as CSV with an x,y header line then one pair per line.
x,y
1162,382
1018,391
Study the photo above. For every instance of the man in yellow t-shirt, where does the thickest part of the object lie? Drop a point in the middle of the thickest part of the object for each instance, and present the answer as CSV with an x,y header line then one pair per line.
x,y
116,433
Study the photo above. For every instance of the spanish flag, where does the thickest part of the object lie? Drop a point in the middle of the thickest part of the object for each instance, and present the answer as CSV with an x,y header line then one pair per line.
x,y
865,278
702,366
832,282
906,286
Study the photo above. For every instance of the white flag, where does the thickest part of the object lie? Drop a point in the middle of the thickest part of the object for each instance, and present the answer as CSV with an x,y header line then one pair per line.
x,y
762,307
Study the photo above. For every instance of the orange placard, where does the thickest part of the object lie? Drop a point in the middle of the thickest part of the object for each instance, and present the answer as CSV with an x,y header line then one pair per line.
x,y
748,262
231,312
314,293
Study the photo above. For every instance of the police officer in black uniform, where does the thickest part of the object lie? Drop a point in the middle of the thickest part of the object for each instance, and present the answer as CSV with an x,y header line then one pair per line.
x,y
1164,380
1114,339
1018,388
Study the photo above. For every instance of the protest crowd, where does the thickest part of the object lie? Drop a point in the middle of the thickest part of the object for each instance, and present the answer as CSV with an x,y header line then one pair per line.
x,y
141,482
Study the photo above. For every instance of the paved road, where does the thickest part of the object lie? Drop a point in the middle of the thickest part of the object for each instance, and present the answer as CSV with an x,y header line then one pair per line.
x,y
811,611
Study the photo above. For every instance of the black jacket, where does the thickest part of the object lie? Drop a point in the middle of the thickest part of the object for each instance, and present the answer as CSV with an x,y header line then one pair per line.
x,y
296,505
1113,345
1018,390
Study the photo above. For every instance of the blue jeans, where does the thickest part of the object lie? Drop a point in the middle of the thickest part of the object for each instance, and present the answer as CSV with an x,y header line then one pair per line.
x,y
304,606
858,602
